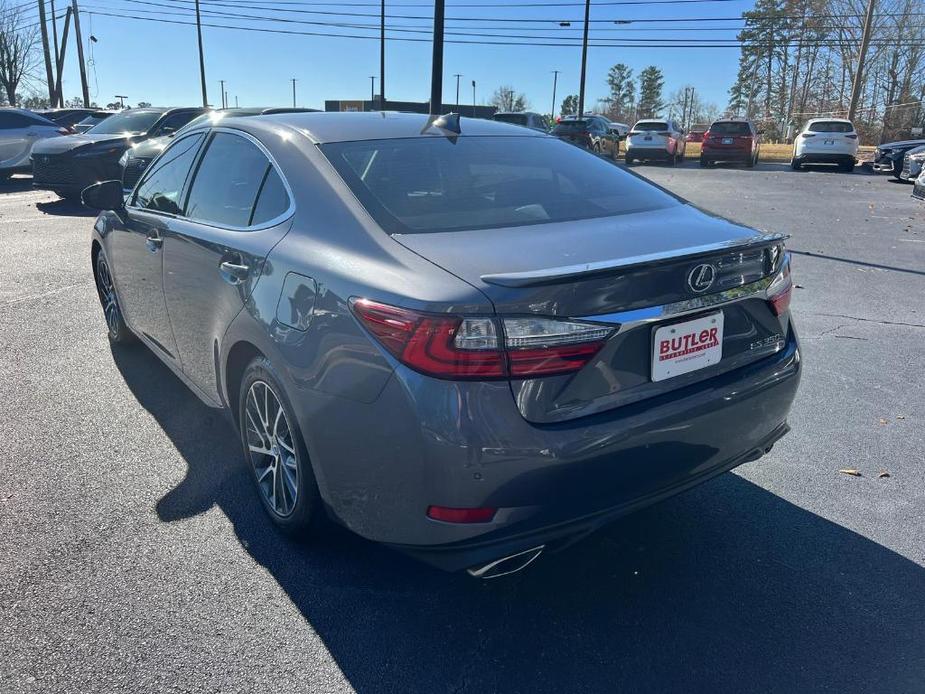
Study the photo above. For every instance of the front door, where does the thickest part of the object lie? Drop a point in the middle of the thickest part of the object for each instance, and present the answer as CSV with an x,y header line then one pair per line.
x,y
136,246
237,209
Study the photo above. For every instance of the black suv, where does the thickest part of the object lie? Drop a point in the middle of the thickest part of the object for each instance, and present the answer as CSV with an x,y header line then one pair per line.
x,y
67,165
590,132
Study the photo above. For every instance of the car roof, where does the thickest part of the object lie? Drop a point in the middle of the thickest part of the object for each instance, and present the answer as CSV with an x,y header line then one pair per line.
x,y
829,120
335,126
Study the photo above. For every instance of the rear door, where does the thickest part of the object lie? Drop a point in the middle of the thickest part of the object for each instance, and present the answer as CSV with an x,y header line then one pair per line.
x,y
238,207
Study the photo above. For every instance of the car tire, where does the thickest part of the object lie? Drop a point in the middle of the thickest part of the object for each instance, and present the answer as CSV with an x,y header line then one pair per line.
x,y
705,163
847,168
275,451
750,162
795,165
116,329
629,160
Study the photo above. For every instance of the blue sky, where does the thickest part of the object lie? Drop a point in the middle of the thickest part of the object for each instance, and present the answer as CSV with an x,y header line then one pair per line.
x,y
157,62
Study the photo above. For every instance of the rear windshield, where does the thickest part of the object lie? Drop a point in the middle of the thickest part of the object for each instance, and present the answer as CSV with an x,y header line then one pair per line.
x,y
515,118
651,125
830,126
129,122
425,184
93,120
570,126
730,128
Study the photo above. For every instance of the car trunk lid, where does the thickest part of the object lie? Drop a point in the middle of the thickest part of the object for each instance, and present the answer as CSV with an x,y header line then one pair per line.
x,y
621,271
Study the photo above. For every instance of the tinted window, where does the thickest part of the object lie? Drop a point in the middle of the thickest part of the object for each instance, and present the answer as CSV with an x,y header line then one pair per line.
x,y
730,128
131,122
515,118
431,184
651,125
10,120
160,190
273,199
90,121
831,126
227,181
175,121
571,126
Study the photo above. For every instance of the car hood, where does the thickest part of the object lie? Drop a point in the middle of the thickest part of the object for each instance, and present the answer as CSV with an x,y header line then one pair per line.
x,y
903,144
150,148
69,143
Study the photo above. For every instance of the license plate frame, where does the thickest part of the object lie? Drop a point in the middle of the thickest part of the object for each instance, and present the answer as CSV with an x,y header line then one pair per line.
x,y
691,346
727,140
828,142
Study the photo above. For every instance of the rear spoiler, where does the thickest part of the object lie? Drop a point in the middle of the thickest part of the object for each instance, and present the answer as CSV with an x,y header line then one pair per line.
x,y
567,272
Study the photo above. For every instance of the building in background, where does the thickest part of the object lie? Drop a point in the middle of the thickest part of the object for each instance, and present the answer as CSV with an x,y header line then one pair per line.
x,y
408,107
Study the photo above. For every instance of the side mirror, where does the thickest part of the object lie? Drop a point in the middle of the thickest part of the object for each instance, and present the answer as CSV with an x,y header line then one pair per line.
x,y
106,195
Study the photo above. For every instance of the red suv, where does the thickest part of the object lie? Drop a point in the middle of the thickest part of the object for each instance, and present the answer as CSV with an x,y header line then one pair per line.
x,y
731,140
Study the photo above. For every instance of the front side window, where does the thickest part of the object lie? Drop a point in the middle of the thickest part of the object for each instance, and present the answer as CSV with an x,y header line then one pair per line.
x,y
160,190
10,121
232,173
420,185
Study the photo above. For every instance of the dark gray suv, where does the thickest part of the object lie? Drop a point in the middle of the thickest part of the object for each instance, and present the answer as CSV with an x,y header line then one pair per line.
x,y
462,338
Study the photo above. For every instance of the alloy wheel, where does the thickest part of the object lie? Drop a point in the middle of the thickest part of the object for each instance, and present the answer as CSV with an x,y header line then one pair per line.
x,y
107,292
271,448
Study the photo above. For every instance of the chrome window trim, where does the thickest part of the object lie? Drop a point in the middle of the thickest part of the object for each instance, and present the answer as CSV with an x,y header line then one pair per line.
x,y
627,320
130,198
276,221
555,274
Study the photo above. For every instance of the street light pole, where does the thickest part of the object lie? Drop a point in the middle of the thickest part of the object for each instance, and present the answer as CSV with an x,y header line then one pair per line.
x,y
584,61
222,92
121,98
555,79
372,92
473,98
457,89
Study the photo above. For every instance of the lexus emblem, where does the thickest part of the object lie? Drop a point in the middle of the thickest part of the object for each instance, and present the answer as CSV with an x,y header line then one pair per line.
x,y
701,278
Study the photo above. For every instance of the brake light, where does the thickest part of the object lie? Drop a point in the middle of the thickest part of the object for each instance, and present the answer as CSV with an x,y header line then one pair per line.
x,y
809,134
461,515
852,136
781,289
457,347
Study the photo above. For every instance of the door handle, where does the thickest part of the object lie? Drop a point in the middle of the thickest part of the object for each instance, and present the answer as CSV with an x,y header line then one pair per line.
x,y
154,243
234,273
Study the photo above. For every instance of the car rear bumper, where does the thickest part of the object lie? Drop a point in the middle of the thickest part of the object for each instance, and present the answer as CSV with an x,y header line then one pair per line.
x,y
885,166
825,158
648,152
719,154
465,445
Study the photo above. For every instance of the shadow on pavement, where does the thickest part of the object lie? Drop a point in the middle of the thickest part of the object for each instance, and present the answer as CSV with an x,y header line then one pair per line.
x,y
726,588
850,261
16,184
65,207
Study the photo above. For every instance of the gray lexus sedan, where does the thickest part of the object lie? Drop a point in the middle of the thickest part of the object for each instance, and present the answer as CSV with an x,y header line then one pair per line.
x,y
461,338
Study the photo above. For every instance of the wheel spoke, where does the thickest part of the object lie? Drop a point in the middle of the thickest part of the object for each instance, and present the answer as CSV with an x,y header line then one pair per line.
x,y
261,476
285,446
259,449
276,469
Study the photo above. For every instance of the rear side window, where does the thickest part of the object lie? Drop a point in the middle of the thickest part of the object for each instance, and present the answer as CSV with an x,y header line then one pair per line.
x,y
272,201
830,127
730,128
651,125
232,173
160,190
421,185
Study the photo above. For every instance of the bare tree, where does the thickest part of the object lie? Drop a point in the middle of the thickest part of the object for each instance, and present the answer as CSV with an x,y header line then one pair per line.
x,y
19,54
506,98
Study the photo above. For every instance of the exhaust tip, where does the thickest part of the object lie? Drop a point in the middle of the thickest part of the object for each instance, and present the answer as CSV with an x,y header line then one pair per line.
x,y
506,565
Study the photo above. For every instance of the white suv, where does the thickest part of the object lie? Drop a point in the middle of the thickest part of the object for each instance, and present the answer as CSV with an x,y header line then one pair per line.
x,y
655,139
826,141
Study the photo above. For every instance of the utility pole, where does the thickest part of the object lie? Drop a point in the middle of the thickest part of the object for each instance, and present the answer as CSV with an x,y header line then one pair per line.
x,y
59,67
372,92
48,73
80,55
202,60
555,80
382,57
473,98
293,80
54,33
457,90
684,108
584,61
862,56
236,101
222,92
436,68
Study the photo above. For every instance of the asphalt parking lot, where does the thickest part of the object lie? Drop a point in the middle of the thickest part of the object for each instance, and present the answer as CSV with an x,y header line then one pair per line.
x,y
136,558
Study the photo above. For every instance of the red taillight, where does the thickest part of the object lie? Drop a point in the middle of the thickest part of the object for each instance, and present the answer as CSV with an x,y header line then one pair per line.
x,y
809,134
781,289
457,347
461,515
852,136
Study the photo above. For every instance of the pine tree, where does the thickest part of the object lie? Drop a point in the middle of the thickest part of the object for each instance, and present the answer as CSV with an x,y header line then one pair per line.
x,y
569,105
622,92
651,82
